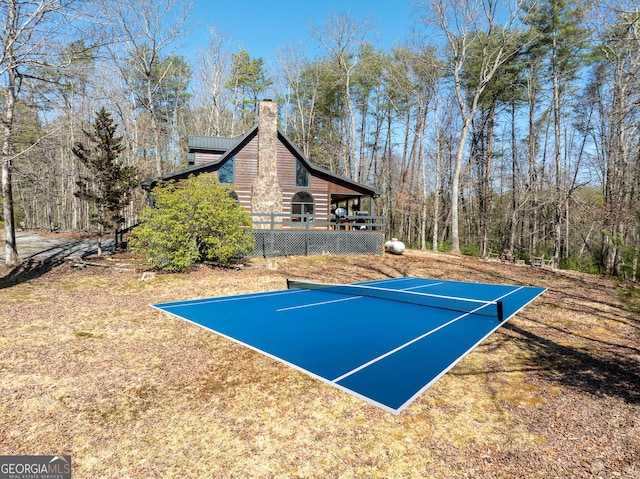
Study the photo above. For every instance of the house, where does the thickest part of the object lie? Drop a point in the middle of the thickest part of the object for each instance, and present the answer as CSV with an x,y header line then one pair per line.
x,y
278,185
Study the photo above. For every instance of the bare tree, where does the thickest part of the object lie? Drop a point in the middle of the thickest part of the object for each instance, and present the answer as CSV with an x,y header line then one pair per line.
x,y
145,29
212,71
28,39
615,94
489,27
302,93
343,37
562,40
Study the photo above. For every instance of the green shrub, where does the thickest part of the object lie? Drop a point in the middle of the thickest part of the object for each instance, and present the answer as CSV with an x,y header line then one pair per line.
x,y
444,246
470,250
629,294
193,222
587,264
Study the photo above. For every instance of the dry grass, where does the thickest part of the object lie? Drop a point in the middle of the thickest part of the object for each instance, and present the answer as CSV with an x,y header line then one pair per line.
x,y
88,369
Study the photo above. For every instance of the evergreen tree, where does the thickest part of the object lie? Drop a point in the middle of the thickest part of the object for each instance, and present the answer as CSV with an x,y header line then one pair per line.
x,y
249,81
503,88
562,39
109,185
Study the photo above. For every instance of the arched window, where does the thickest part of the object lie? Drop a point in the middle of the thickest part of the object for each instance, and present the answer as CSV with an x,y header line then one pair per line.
x,y
302,206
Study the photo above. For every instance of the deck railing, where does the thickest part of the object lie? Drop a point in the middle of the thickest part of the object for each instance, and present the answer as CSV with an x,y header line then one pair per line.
x,y
278,234
284,221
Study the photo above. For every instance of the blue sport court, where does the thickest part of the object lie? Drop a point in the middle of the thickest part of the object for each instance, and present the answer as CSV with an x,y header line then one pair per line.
x,y
383,341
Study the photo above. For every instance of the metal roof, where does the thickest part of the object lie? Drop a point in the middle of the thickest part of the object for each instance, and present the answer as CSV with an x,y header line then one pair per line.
x,y
212,143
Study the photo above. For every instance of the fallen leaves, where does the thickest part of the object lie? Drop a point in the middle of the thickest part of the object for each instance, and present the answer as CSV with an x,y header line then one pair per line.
x,y
87,368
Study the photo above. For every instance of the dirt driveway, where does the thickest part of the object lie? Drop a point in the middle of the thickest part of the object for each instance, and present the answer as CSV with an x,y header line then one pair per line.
x,y
38,247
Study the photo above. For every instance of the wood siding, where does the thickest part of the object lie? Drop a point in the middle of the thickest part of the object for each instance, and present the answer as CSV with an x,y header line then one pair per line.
x,y
246,170
258,187
287,175
202,158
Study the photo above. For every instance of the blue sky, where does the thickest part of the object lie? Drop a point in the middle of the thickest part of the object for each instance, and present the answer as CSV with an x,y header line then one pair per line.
x,y
262,27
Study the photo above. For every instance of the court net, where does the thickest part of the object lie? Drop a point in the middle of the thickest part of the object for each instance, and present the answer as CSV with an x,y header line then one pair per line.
x,y
464,305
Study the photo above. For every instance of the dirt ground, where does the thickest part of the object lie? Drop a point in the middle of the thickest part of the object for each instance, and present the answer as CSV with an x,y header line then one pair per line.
x,y
88,369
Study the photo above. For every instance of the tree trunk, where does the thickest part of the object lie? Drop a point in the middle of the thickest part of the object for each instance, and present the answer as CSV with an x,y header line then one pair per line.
x,y
636,254
11,249
513,224
533,177
557,227
455,184
100,230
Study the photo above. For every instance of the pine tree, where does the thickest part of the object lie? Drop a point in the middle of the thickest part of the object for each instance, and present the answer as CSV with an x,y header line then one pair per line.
x,y
109,185
249,81
562,39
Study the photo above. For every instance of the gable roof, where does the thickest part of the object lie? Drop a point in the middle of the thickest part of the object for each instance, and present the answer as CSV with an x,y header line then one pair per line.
x,y
233,144
230,146
208,143
324,173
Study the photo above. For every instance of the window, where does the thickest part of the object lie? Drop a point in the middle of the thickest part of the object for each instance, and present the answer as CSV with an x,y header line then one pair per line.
x,y
225,173
302,175
302,206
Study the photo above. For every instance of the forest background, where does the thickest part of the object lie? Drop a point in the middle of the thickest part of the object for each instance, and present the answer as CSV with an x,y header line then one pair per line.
x,y
495,126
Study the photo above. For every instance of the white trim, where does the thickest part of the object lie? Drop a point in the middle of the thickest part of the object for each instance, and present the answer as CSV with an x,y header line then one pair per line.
x,y
224,299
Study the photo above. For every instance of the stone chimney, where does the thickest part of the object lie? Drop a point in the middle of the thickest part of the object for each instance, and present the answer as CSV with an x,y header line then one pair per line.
x,y
266,194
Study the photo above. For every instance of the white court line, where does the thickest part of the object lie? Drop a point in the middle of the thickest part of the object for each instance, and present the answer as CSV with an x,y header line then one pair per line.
x,y
394,410
462,356
408,343
227,299
310,305
421,286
